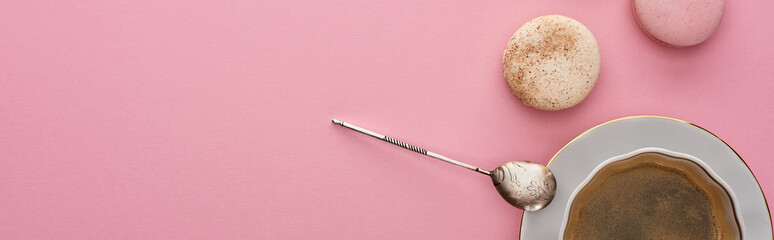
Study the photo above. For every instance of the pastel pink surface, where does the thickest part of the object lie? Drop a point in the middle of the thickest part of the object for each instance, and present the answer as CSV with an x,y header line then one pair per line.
x,y
679,23
211,119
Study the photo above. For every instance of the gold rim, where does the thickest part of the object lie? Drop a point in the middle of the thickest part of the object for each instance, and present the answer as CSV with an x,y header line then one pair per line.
x,y
667,118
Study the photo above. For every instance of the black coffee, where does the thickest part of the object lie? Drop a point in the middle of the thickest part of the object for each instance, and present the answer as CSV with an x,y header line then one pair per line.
x,y
652,196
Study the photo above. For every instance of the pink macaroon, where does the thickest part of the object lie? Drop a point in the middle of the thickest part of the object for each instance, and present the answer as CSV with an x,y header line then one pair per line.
x,y
678,23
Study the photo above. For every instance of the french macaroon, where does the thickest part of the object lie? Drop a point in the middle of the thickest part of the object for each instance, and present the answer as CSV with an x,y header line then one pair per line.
x,y
678,23
551,62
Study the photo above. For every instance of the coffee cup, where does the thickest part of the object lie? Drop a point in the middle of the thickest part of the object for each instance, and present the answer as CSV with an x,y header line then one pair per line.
x,y
652,193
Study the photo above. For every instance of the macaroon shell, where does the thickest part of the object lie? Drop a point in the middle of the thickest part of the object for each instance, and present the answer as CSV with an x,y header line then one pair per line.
x,y
679,23
551,62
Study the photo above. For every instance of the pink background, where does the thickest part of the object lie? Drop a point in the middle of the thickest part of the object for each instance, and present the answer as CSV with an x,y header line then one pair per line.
x,y
211,119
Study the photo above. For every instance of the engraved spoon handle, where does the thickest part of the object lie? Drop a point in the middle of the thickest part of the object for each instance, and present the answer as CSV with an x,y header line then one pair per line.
x,y
410,147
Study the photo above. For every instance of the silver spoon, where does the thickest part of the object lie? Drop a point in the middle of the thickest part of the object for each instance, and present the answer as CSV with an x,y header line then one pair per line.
x,y
525,185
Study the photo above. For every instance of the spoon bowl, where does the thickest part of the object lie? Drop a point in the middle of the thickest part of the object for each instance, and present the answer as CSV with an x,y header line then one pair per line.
x,y
525,185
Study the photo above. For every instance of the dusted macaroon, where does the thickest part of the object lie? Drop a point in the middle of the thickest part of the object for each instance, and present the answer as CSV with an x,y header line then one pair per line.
x,y
551,62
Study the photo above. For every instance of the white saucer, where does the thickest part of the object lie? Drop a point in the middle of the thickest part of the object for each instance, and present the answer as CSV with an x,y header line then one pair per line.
x,y
576,161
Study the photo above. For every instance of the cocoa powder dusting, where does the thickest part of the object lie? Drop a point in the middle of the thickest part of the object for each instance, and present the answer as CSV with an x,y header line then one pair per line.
x,y
556,41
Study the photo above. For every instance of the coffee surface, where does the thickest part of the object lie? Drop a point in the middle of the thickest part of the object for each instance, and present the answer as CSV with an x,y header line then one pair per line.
x,y
652,196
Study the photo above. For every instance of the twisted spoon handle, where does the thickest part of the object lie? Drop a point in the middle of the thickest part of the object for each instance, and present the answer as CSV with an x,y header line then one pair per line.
x,y
410,147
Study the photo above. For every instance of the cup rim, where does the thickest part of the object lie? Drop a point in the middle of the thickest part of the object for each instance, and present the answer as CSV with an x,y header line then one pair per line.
x,y
702,164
